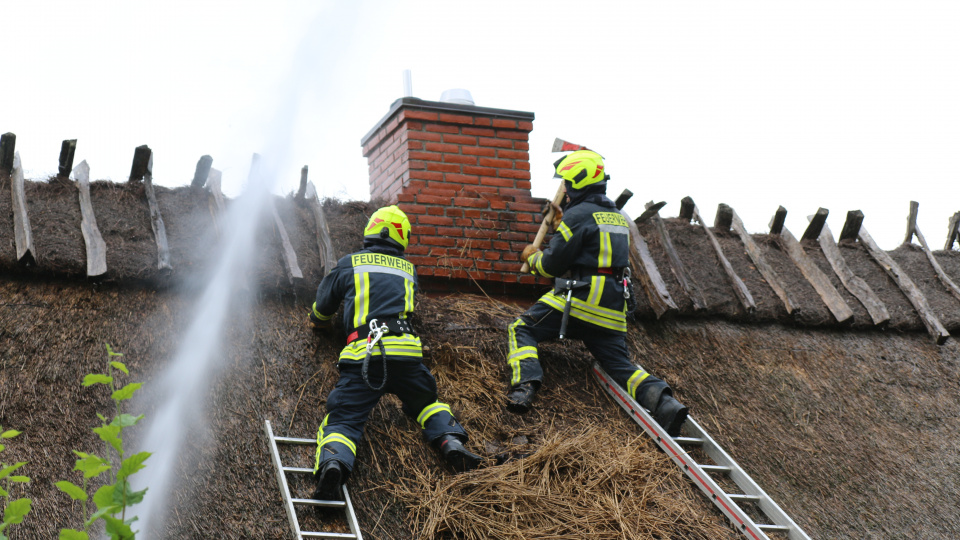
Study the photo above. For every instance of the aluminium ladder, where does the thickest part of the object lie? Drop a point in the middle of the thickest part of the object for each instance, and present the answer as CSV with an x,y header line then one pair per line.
x,y
289,502
694,435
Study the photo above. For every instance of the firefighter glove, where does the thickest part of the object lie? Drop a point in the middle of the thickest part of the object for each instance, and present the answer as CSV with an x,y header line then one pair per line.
x,y
556,218
528,252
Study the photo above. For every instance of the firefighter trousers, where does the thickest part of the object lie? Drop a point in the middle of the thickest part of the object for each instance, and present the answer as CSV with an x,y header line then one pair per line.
x,y
542,323
350,402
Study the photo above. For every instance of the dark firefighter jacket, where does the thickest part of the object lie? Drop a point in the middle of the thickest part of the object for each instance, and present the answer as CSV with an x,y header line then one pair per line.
x,y
591,243
374,283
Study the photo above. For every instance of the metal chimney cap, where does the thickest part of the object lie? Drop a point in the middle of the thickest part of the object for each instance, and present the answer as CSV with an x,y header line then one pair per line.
x,y
457,95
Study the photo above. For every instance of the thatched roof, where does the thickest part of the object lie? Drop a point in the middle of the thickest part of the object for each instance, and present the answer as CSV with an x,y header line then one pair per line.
x,y
852,430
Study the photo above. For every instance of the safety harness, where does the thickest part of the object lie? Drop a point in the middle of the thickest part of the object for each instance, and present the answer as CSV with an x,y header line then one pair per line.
x,y
565,287
373,333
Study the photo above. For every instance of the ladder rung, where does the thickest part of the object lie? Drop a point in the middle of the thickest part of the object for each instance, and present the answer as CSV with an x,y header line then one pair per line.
x,y
298,470
294,440
716,468
315,502
742,497
306,534
767,527
692,441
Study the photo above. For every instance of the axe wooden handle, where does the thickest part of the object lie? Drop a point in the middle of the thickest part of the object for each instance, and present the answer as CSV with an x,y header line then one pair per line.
x,y
557,199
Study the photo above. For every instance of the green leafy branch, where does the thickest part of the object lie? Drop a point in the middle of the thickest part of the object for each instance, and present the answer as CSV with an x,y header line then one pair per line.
x,y
113,498
13,512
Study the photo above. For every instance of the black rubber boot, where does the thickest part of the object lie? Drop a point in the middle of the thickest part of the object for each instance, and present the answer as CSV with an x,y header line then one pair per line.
x,y
455,455
520,398
670,414
328,482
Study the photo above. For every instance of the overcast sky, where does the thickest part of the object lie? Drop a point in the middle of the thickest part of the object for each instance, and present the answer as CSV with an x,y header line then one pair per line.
x,y
841,104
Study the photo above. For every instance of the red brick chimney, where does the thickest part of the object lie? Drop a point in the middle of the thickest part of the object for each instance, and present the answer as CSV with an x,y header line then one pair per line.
x,y
462,175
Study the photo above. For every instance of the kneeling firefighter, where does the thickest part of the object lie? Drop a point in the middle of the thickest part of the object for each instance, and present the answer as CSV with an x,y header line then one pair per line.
x,y
590,246
383,354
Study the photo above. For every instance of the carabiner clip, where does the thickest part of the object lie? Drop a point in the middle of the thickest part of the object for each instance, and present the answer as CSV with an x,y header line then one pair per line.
x,y
375,334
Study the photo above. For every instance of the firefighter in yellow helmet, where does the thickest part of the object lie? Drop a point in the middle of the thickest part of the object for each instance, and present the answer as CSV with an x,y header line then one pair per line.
x,y
590,249
383,354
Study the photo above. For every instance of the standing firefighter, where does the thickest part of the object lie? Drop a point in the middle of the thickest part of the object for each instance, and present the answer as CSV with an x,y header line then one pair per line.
x,y
383,353
590,245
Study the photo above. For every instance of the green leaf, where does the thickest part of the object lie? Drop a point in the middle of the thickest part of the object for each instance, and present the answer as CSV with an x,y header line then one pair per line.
x,y
123,496
3,493
103,498
117,529
110,351
100,513
9,434
8,470
2,447
70,534
20,479
91,465
126,392
15,511
110,435
96,378
132,464
120,366
74,491
102,418
126,420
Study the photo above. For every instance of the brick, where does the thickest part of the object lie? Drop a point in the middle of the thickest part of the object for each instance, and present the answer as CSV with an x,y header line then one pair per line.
x,y
459,139
440,128
480,171
522,165
481,121
487,192
526,218
473,213
417,145
528,279
442,272
507,192
515,254
463,160
426,156
483,132
519,237
414,114
423,230
456,261
424,136
449,231
443,147
431,199
525,227
413,185
488,234
513,154
490,255
438,241
418,165
504,123
526,126
488,224
501,245
463,178
523,184
483,265
441,251
520,145
493,162
478,151
498,205
471,203
413,208
456,118
454,212
426,175
511,173
498,182
435,211
438,189
505,267
526,207
475,244
425,270
406,198
443,167
513,135
434,220
410,126
495,143
415,249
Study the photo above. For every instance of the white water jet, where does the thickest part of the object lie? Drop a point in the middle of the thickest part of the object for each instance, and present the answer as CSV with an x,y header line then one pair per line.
x,y
185,383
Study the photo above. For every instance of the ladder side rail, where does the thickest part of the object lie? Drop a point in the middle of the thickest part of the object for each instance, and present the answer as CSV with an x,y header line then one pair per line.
x,y
282,480
688,465
351,515
744,482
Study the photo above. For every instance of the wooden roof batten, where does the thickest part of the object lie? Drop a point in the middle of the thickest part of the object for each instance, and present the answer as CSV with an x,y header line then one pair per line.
x,y
913,230
688,211
756,255
646,269
853,283
687,283
820,282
